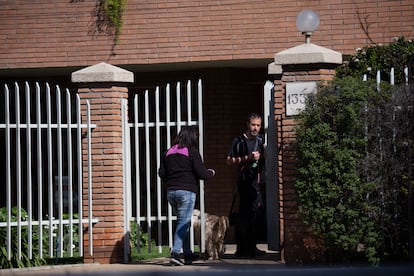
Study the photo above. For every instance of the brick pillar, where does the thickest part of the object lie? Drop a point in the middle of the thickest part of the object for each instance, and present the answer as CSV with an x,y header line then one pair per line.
x,y
303,67
104,86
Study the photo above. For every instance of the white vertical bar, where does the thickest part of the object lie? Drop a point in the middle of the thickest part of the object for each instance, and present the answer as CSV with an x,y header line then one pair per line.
x,y
178,107
201,146
406,74
178,104
59,163
39,169
147,167
88,118
49,164
168,126
137,173
189,117
168,114
8,170
378,80
189,102
392,76
200,116
267,91
18,172
364,78
69,169
29,171
157,153
80,174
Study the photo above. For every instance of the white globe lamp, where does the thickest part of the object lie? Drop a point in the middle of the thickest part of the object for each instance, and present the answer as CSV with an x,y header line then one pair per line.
x,y
307,21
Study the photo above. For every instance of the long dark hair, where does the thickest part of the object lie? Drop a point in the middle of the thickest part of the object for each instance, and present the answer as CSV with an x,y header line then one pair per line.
x,y
188,137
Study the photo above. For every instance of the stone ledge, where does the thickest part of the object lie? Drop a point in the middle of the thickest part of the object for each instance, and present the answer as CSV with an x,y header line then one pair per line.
x,y
102,72
308,53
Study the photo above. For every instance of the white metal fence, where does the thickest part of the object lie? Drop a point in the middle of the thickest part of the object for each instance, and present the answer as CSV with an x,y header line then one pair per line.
x,y
41,135
391,74
155,117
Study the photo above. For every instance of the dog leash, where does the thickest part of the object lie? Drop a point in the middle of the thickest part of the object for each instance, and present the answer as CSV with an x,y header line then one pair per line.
x,y
232,202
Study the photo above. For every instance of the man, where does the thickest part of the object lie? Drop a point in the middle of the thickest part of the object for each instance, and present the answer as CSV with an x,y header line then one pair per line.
x,y
247,153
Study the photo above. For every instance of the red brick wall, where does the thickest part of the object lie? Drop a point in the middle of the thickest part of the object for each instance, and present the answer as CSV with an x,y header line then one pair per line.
x,y
59,33
107,169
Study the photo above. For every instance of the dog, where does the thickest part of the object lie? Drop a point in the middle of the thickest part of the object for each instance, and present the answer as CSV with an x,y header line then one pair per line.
x,y
216,228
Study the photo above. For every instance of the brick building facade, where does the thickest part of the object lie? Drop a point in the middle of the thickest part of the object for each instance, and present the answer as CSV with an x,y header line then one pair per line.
x,y
228,44
157,34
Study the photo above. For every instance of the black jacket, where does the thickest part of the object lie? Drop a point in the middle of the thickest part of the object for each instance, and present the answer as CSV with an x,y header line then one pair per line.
x,y
182,169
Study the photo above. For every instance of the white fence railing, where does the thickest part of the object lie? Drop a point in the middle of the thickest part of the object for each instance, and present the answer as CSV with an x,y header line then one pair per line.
x,y
392,76
157,116
42,180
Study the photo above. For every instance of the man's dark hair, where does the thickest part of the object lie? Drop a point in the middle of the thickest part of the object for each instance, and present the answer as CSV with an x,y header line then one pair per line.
x,y
252,115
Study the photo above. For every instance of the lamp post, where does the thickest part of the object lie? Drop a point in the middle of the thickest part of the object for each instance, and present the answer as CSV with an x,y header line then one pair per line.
x,y
307,21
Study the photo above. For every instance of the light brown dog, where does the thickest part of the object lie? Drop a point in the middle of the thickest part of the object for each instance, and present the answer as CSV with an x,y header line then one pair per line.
x,y
216,228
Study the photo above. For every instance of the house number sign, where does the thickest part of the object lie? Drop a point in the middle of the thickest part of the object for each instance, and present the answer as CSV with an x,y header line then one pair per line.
x,y
296,93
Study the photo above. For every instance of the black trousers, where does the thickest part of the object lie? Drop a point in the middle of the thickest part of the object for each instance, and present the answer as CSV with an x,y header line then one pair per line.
x,y
250,204
245,231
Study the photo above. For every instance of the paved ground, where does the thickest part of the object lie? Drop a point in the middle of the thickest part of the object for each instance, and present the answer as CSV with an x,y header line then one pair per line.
x,y
268,264
158,265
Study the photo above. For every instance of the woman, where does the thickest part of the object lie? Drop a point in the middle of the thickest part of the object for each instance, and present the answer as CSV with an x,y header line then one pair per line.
x,y
181,168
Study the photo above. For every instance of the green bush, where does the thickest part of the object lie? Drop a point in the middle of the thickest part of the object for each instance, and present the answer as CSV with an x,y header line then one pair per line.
x,y
330,192
354,182
15,261
56,242
24,261
143,237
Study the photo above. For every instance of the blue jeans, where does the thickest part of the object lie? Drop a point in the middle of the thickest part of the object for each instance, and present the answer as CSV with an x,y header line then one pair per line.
x,y
182,203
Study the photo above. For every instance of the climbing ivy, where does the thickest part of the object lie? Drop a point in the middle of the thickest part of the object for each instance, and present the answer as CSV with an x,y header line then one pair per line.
x,y
368,60
113,11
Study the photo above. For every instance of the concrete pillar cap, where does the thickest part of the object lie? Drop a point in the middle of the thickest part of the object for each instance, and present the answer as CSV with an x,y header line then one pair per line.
x,y
102,72
308,53
274,69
